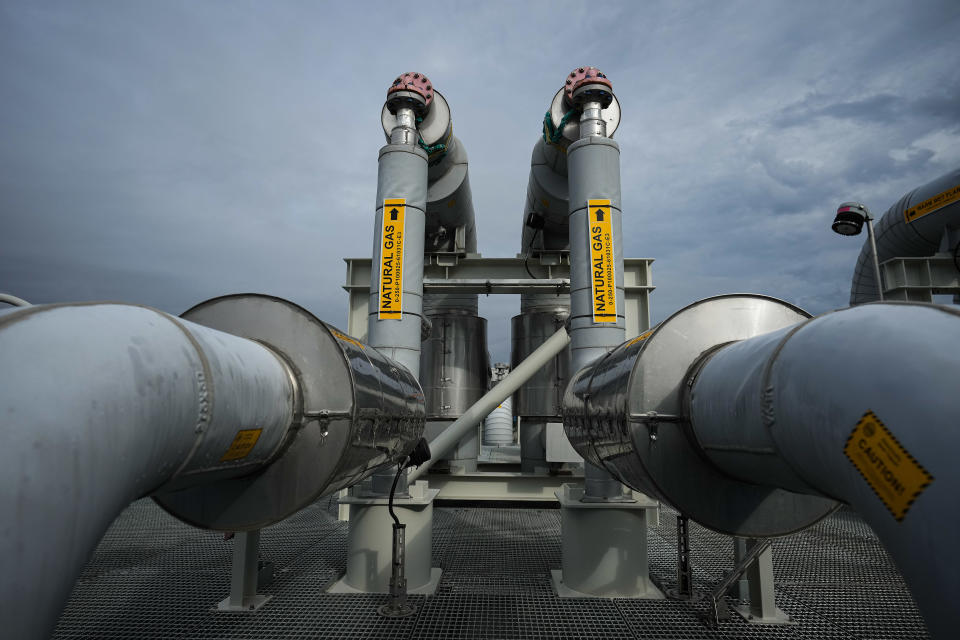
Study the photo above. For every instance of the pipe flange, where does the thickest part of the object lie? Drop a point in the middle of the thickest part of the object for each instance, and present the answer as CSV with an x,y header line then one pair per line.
x,y
413,90
588,84
653,449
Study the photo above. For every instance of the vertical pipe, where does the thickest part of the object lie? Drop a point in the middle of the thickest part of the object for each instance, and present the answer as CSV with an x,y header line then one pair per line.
x,y
593,167
875,257
401,175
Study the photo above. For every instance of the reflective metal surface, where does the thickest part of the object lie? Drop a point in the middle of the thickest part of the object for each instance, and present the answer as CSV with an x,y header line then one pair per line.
x,y
541,397
454,364
625,412
361,410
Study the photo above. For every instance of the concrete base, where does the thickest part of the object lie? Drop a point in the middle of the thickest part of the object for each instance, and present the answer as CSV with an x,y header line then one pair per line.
x,y
604,547
370,542
428,589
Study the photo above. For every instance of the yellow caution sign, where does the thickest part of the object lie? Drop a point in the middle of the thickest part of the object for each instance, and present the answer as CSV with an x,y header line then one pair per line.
x,y
601,261
391,260
893,474
346,338
930,205
242,444
640,338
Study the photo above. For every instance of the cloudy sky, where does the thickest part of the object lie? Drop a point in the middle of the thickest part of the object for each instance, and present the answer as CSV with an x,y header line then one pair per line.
x,y
167,152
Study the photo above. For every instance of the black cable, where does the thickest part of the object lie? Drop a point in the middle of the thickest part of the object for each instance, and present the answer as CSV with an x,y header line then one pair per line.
x,y
956,256
529,249
393,490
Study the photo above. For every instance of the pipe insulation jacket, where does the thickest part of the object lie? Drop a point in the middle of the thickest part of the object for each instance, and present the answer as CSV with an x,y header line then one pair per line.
x,y
102,404
897,238
859,405
402,173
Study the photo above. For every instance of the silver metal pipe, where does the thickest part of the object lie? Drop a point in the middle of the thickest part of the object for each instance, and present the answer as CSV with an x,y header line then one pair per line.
x,y
102,404
592,122
912,227
471,418
405,132
14,300
859,405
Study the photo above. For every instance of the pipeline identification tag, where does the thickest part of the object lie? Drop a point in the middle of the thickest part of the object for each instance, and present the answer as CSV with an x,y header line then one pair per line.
x,y
601,261
391,259
242,444
893,474
930,205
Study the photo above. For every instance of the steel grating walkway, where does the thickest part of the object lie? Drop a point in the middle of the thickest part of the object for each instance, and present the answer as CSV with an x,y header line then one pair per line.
x,y
153,577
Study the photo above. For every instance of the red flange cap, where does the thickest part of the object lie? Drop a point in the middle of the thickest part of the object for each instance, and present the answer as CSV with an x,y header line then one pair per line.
x,y
415,83
584,75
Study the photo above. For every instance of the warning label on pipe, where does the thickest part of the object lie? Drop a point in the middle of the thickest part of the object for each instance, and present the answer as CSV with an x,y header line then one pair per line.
x,y
930,205
242,444
893,474
391,260
601,261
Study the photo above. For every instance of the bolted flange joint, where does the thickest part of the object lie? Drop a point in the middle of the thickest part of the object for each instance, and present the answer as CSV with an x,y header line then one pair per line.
x,y
588,84
411,91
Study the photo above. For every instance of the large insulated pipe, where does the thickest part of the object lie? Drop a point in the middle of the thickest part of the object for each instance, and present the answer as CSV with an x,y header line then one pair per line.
x,y
442,444
755,420
101,404
596,245
396,287
913,227
860,406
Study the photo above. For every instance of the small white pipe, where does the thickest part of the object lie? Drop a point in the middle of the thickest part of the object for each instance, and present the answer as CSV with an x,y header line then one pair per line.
x,y
14,300
443,443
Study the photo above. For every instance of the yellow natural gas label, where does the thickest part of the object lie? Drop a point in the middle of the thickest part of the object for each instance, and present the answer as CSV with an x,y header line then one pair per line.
x,y
601,261
391,259
930,205
893,474
242,444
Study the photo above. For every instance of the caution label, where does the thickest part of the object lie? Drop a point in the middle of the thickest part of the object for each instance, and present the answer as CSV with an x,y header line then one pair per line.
x,y
391,260
930,205
346,338
640,338
601,261
242,444
893,474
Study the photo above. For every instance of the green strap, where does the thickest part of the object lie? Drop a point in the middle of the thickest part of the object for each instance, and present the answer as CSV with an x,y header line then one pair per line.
x,y
551,134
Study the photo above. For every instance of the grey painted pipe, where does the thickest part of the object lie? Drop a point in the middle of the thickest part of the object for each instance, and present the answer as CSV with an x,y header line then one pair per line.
x,y
801,409
895,237
450,436
402,173
102,404
593,167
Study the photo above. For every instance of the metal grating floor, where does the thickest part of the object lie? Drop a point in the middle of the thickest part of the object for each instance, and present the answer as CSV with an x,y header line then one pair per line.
x,y
153,577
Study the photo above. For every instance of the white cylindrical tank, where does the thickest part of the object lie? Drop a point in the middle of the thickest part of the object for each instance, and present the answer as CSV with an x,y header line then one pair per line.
x,y
498,426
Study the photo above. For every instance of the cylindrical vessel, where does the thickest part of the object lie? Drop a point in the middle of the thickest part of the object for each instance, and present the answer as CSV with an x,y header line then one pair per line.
x,y
401,175
625,413
455,371
498,426
360,410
